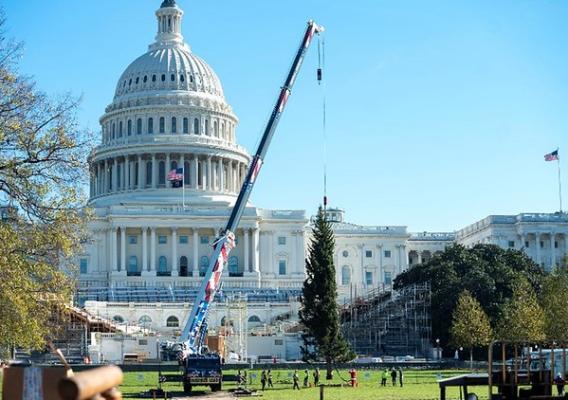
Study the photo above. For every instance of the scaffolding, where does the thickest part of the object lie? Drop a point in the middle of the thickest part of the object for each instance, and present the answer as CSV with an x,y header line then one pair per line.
x,y
386,322
235,326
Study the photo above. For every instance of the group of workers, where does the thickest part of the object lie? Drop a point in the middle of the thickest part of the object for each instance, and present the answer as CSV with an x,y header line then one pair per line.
x,y
394,374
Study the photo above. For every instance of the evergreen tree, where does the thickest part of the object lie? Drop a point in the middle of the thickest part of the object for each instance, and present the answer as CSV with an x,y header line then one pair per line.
x,y
470,324
523,318
319,313
554,299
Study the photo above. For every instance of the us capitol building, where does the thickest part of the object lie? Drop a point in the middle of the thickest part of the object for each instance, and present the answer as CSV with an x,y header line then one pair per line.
x,y
149,251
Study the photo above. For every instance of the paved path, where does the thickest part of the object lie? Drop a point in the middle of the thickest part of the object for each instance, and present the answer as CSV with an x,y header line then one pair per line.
x,y
208,396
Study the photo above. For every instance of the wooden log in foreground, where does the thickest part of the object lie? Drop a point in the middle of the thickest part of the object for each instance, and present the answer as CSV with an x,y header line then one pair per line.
x,y
90,384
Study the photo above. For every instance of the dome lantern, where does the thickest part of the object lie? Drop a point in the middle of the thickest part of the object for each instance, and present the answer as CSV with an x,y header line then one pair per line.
x,y
169,17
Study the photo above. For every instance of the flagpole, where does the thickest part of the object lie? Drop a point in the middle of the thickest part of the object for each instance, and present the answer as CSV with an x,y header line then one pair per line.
x,y
559,184
183,188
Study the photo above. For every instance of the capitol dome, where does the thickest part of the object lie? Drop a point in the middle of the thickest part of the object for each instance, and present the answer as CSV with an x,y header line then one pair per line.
x,y
168,113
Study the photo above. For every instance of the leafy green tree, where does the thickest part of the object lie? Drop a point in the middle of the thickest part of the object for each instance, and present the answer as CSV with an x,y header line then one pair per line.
x,y
554,301
470,324
522,319
319,313
42,173
488,272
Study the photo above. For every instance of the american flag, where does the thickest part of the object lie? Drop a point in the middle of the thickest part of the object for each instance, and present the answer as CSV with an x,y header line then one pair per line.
x,y
175,174
551,156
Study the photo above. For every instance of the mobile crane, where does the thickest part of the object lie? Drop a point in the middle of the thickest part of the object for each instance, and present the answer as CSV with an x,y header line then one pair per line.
x,y
201,368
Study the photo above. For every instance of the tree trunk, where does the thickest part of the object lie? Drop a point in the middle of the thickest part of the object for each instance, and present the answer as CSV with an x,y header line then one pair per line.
x,y
329,369
471,358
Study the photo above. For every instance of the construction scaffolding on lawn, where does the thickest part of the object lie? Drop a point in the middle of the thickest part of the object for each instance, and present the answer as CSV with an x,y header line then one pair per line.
x,y
388,322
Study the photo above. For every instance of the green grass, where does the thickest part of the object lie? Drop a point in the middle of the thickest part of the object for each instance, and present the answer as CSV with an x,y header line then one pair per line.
x,y
418,385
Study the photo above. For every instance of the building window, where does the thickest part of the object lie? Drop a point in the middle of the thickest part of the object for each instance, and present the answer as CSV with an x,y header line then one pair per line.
x,y
162,239
345,275
541,244
388,278
369,253
162,125
132,239
207,127
555,244
120,129
139,126
203,265
162,173
172,322
234,266
204,239
196,126
163,77
118,319
387,253
144,321
83,263
132,266
150,125
281,240
183,239
216,129
282,267
163,266
511,244
129,127
174,125
149,173
368,278
183,266
345,253
254,319
527,243
185,125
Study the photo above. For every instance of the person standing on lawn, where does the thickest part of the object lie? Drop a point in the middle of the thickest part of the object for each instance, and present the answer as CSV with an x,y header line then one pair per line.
x,y
269,379
263,379
316,376
393,376
384,377
306,378
400,377
296,379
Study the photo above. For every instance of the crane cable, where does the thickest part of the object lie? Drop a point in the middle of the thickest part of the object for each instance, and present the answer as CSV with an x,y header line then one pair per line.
x,y
321,83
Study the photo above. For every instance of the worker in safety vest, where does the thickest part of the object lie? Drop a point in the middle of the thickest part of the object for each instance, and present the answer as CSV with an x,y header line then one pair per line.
x,y
353,374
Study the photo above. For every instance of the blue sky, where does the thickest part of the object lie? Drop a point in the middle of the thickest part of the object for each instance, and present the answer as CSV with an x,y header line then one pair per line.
x,y
439,112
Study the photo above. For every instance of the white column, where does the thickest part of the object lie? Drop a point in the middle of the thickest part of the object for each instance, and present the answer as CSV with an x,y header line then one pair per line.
x,y
182,165
221,176
168,165
154,172
248,267
194,171
203,175
209,174
255,251
141,170
113,250
195,252
552,251
235,183
419,256
114,186
123,249
537,251
174,253
145,269
105,177
153,250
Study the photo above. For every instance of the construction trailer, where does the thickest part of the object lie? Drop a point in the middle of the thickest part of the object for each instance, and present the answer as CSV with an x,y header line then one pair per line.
x,y
388,322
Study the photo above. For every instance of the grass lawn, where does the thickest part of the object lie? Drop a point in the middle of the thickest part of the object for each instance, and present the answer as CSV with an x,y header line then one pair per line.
x,y
418,385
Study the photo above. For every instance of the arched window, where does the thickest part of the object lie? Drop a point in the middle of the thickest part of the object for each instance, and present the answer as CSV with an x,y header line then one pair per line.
x,y
132,266
162,124
162,266
129,127
223,130
216,129
145,321
203,265
183,266
139,126
185,125
196,126
174,124
163,77
118,319
162,173
207,127
345,275
233,266
254,319
120,129
148,172
153,78
172,322
173,165
150,125
113,129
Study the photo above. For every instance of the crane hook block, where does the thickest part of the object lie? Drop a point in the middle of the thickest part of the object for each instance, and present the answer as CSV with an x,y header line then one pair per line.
x,y
320,74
